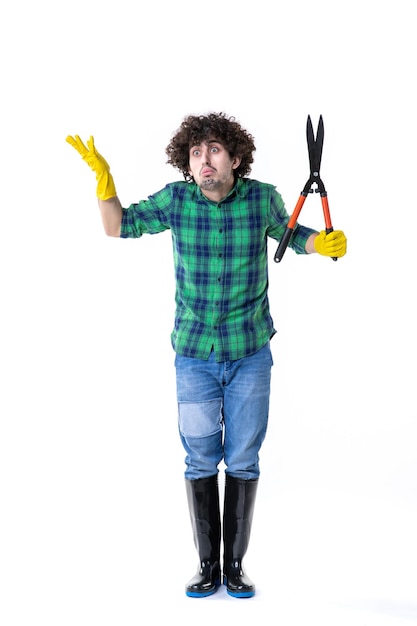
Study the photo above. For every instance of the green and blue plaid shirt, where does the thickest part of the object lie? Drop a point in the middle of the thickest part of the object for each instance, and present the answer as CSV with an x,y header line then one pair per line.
x,y
221,262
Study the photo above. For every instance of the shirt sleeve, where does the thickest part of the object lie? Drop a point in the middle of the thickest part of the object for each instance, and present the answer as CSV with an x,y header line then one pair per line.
x,y
279,221
149,216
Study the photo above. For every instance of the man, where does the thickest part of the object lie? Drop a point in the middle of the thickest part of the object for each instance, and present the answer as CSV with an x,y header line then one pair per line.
x,y
220,221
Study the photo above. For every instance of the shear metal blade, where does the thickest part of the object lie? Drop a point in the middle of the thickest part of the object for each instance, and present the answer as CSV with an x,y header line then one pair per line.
x,y
315,145
319,142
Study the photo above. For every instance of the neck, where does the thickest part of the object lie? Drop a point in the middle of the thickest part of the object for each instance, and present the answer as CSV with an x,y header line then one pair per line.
x,y
217,195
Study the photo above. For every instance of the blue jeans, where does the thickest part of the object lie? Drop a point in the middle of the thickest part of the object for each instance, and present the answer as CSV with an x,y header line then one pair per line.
x,y
223,413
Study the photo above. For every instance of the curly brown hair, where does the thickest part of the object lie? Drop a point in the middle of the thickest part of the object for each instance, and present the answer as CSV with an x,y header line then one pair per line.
x,y
198,128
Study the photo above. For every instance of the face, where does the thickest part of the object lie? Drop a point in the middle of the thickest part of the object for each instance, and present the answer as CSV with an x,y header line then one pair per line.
x,y
212,169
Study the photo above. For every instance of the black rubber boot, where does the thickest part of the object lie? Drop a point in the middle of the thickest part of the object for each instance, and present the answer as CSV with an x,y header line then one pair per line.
x,y
203,502
239,504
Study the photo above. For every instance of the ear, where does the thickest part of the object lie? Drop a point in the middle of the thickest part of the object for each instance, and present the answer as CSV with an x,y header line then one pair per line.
x,y
236,162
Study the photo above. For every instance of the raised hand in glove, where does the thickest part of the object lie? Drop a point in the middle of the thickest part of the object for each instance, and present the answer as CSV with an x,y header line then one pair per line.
x,y
332,244
105,182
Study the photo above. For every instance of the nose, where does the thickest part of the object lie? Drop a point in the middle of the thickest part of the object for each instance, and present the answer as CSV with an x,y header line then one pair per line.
x,y
205,157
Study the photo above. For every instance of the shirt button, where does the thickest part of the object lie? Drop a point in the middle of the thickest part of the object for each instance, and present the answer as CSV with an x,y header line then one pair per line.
x,y
220,230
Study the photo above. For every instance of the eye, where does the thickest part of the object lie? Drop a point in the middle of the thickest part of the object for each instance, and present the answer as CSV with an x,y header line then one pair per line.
x,y
195,152
214,149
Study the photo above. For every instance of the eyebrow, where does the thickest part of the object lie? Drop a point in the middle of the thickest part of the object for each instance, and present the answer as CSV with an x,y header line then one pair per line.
x,y
208,142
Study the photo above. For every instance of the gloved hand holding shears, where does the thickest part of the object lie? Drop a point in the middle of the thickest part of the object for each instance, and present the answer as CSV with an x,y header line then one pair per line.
x,y
332,243
328,242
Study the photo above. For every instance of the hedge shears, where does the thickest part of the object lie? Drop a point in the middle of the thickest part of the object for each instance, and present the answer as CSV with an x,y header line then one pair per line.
x,y
313,184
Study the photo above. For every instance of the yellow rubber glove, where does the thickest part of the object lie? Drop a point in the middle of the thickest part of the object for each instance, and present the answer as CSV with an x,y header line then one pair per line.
x,y
333,244
105,182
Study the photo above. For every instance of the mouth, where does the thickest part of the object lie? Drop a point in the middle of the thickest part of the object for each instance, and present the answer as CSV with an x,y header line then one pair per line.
x,y
207,171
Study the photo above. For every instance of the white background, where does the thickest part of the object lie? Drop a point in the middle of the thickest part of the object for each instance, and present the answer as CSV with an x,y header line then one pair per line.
x,y
94,525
